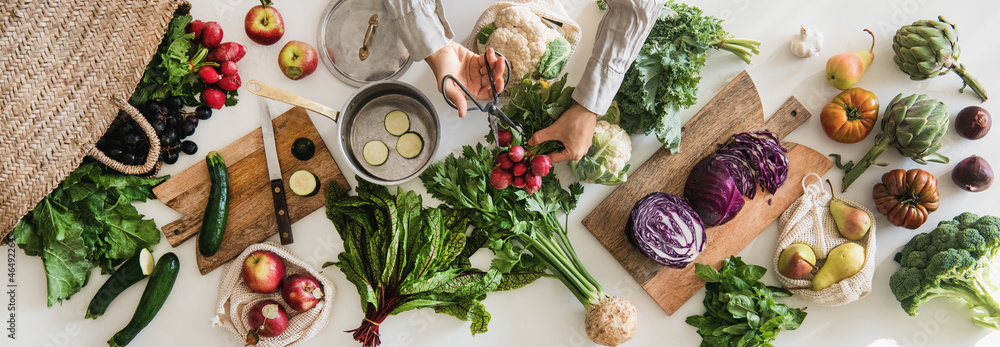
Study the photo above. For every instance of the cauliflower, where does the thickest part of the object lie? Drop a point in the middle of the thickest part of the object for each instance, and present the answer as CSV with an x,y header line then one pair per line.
x,y
606,160
530,46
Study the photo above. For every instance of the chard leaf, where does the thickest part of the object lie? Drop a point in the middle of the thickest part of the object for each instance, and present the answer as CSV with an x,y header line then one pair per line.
x,y
468,310
419,304
511,281
353,270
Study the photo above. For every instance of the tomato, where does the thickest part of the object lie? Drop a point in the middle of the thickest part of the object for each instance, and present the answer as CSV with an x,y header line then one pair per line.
x,y
906,197
850,117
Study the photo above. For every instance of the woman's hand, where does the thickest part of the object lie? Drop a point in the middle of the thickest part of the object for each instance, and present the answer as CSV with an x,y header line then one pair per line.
x,y
469,69
575,129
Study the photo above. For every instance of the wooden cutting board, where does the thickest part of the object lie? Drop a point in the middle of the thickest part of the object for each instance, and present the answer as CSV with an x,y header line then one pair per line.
x,y
737,108
251,208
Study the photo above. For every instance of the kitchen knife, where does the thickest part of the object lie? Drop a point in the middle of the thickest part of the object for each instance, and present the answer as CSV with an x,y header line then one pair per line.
x,y
274,173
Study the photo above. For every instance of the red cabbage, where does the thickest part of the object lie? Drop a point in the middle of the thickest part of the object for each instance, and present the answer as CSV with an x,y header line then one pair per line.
x,y
666,229
761,152
711,191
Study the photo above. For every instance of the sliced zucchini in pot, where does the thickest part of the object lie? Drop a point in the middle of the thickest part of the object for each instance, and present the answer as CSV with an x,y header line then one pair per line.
x,y
410,145
303,148
397,122
304,183
375,152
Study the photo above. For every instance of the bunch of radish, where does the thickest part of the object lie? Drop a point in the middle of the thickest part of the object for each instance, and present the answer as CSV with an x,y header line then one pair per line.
x,y
517,167
215,62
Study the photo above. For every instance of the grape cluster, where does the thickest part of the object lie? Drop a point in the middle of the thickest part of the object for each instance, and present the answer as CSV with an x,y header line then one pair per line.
x,y
126,142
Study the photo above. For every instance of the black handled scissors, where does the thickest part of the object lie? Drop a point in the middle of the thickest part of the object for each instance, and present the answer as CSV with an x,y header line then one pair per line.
x,y
491,108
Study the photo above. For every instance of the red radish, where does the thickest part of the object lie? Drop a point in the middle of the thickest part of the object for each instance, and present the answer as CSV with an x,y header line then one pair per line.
x,y
504,138
500,178
229,51
228,68
211,35
208,74
196,27
540,165
532,183
516,153
519,182
231,82
519,169
214,97
503,160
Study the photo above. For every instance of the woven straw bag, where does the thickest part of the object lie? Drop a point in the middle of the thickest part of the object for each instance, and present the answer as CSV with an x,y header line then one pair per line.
x,y
66,68
808,220
236,299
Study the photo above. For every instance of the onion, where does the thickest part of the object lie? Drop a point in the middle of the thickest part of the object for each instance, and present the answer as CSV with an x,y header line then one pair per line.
x,y
973,174
973,122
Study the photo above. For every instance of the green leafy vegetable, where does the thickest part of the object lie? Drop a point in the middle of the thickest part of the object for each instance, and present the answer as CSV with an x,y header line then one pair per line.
x,y
87,221
173,69
401,257
523,230
485,32
664,77
556,56
740,310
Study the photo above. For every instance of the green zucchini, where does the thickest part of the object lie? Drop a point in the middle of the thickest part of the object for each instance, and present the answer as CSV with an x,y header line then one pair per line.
x,y
304,183
397,122
213,226
409,145
303,148
161,281
375,152
130,272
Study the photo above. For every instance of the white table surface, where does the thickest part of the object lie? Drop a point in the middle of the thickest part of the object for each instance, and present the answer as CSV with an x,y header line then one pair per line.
x,y
545,313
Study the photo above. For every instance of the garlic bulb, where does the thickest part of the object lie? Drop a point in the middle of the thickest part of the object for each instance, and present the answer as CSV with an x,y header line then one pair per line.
x,y
807,43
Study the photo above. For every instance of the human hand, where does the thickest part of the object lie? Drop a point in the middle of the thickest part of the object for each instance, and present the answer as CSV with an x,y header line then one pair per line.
x,y
469,69
574,128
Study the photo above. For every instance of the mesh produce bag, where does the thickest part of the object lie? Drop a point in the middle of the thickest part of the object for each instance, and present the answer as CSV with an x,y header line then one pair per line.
x,y
808,220
552,10
236,299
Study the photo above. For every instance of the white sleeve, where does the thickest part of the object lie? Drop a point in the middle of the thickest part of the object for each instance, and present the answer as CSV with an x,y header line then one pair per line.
x,y
620,34
421,25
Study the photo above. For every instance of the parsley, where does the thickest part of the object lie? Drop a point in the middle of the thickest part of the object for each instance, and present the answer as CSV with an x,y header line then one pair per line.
x,y
87,221
401,257
740,310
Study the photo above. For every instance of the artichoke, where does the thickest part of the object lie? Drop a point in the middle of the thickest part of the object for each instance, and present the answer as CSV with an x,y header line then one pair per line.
x,y
913,125
928,48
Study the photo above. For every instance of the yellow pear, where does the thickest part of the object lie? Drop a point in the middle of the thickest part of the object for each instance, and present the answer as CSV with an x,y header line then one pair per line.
x,y
852,223
843,262
845,69
796,261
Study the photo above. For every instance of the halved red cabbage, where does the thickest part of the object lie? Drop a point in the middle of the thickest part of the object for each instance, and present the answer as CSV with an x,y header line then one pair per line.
x,y
711,191
666,229
762,154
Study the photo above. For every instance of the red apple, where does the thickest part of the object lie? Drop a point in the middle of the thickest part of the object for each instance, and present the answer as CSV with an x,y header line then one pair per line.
x,y
297,59
263,24
301,292
268,318
263,271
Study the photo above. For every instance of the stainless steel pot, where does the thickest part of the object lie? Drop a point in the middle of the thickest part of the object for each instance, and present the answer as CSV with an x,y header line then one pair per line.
x,y
362,120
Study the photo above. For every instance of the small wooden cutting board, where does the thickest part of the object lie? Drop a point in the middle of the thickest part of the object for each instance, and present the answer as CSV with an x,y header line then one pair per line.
x,y
251,208
737,108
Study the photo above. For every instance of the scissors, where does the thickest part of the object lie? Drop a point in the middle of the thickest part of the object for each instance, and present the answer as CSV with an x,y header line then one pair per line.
x,y
491,108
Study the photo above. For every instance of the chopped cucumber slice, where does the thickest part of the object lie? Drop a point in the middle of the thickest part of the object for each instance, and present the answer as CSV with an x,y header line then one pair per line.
x,y
304,183
410,145
397,122
146,261
375,152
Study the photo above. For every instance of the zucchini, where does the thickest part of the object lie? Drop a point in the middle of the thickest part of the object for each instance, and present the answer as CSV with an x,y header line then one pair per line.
x,y
161,281
375,152
303,148
410,145
304,183
397,122
130,272
213,226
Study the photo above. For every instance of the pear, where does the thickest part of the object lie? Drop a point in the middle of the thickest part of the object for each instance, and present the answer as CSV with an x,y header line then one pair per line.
x,y
852,223
843,262
845,69
796,261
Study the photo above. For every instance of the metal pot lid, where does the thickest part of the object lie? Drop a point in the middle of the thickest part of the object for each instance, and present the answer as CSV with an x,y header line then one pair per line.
x,y
343,33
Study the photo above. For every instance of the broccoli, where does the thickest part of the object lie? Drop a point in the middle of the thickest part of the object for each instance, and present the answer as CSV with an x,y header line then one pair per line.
x,y
953,260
